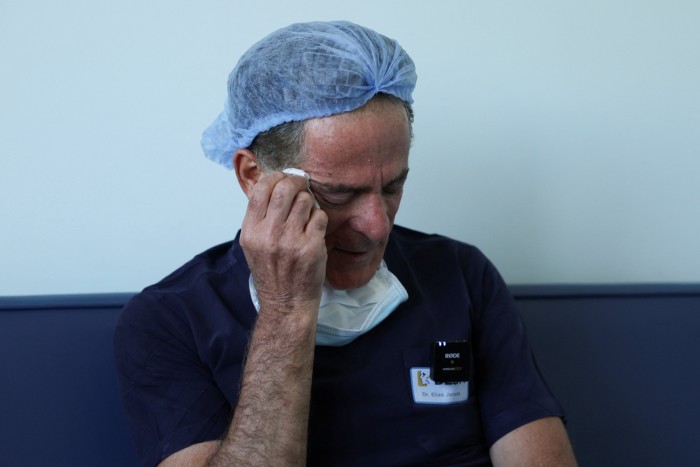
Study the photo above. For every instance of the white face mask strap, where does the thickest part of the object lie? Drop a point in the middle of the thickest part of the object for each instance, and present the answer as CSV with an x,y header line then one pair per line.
x,y
253,293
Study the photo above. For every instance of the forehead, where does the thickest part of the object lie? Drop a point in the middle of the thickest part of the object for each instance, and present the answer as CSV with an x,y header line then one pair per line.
x,y
376,135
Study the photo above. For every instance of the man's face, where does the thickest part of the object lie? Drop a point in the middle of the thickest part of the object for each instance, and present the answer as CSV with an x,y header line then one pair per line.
x,y
358,163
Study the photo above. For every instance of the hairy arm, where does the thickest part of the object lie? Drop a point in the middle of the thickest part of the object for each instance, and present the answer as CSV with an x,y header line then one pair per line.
x,y
269,426
541,443
283,240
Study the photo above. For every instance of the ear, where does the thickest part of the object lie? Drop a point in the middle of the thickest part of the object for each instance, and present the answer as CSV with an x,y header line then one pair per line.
x,y
247,169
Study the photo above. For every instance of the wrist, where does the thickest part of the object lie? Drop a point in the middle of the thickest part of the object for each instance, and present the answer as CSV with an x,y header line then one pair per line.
x,y
286,321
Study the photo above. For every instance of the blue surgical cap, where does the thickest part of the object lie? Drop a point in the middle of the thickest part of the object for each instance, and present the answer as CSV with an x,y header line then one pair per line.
x,y
303,71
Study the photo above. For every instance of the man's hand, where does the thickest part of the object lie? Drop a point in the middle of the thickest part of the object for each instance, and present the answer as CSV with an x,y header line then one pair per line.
x,y
283,241
283,238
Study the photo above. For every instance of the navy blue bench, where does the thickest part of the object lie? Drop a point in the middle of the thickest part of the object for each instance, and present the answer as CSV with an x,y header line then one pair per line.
x,y
625,363
623,360
59,403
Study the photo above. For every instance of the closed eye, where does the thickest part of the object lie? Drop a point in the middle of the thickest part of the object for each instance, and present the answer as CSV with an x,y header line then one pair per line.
x,y
332,195
338,199
394,188
340,195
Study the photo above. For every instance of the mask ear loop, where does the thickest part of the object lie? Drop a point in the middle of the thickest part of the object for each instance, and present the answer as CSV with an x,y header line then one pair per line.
x,y
301,173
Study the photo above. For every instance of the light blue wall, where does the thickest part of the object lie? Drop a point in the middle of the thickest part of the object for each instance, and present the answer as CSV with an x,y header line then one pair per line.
x,y
561,137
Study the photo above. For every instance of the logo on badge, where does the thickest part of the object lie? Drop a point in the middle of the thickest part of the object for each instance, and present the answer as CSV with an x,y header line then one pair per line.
x,y
423,378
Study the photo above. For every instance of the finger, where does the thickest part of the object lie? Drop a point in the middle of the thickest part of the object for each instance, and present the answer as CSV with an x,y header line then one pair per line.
x,y
318,222
284,197
300,211
259,197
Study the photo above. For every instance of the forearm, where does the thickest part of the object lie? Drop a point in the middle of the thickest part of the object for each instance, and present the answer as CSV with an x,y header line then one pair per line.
x,y
270,422
543,442
283,239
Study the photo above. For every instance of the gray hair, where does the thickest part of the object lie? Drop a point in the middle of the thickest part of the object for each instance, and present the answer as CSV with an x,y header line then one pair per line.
x,y
282,146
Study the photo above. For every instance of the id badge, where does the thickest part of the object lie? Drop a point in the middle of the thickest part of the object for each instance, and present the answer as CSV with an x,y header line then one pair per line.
x,y
427,391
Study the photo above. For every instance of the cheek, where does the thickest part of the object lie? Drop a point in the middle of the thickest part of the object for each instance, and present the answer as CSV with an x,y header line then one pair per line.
x,y
392,207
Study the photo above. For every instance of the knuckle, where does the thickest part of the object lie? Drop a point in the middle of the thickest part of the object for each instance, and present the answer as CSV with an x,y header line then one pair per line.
x,y
304,198
281,193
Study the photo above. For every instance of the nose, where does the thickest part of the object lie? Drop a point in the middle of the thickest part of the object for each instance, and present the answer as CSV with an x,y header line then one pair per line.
x,y
372,218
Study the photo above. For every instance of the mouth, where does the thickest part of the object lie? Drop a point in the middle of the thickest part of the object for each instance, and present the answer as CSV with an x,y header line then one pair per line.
x,y
351,252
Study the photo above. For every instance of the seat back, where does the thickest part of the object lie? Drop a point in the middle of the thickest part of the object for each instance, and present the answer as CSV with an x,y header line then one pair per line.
x,y
624,362
59,403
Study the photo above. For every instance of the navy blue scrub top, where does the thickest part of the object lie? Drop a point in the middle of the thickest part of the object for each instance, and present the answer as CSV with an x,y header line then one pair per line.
x,y
180,345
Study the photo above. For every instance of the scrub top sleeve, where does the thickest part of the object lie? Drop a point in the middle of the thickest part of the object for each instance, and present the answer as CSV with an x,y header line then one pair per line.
x,y
511,390
170,399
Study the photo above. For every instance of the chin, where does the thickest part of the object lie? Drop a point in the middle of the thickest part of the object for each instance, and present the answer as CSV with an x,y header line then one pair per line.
x,y
345,271
346,280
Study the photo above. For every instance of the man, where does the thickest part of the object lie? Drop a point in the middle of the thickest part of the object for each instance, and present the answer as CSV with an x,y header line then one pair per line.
x,y
324,334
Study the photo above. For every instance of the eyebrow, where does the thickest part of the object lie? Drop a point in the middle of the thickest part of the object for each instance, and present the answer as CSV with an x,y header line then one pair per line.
x,y
343,188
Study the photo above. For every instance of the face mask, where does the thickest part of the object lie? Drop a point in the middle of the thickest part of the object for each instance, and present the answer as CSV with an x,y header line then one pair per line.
x,y
345,315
